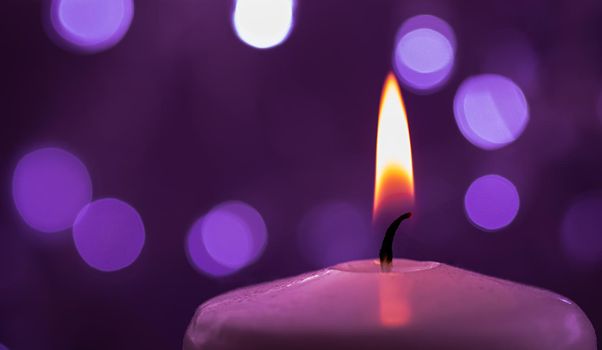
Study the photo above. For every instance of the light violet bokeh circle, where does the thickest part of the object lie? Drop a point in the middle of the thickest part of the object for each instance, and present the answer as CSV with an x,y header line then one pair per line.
x,y
512,55
49,187
2,347
263,24
109,234
198,256
424,53
491,111
581,232
491,202
334,232
91,25
229,237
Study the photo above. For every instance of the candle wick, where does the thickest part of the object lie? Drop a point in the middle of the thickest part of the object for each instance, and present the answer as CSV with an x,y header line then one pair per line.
x,y
386,250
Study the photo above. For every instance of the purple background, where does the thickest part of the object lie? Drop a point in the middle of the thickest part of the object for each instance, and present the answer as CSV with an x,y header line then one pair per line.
x,y
181,116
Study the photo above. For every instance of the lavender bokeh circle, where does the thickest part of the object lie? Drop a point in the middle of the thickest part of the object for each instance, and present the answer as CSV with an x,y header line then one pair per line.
x,y
91,25
198,256
491,202
253,221
491,111
582,230
109,234
334,232
424,53
49,187
229,237
263,24
511,55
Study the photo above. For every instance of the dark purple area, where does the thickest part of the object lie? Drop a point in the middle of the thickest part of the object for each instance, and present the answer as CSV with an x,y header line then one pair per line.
x,y
181,116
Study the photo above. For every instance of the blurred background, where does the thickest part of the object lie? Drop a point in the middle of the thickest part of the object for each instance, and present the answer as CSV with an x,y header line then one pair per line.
x,y
154,154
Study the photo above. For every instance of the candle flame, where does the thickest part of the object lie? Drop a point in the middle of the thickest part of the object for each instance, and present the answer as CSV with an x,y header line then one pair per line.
x,y
393,192
394,180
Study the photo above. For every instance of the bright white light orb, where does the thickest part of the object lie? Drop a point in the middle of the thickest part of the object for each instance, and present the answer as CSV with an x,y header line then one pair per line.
x,y
263,23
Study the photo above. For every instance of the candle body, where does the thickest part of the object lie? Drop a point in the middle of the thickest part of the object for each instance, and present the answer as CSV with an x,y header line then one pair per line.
x,y
417,306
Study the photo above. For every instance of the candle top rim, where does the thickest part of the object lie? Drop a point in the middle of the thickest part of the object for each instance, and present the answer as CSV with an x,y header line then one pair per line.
x,y
400,266
443,304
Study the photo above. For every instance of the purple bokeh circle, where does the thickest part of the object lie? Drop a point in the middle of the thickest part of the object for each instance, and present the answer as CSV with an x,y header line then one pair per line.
x,y
424,53
582,230
511,55
109,234
254,222
491,202
50,186
91,25
2,347
227,239
231,236
198,256
335,232
491,111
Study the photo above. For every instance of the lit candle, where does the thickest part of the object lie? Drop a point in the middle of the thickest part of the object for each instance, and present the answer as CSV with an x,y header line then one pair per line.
x,y
390,304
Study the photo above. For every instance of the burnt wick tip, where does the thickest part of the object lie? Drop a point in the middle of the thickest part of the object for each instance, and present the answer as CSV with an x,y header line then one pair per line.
x,y
386,250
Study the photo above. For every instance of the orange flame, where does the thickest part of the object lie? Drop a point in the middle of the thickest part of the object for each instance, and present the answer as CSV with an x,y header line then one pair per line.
x,y
393,193
394,181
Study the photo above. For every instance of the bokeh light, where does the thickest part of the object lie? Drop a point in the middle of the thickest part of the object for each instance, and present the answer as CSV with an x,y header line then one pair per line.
x,y
198,256
491,111
109,234
491,202
234,234
424,53
335,232
50,186
510,54
2,347
91,25
231,236
263,23
582,230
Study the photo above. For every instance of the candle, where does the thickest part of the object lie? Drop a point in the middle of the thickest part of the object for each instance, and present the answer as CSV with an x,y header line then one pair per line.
x,y
418,305
390,303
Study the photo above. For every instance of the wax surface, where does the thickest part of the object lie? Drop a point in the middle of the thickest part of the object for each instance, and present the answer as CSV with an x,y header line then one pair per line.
x,y
419,305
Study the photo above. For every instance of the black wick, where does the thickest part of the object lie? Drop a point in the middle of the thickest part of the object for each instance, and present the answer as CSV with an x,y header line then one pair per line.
x,y
386,250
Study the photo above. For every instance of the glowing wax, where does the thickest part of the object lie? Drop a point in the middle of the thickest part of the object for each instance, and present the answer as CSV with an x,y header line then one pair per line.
x,y
419,305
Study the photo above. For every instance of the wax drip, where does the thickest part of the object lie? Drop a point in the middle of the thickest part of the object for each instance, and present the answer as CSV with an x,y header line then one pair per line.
x,y
386,250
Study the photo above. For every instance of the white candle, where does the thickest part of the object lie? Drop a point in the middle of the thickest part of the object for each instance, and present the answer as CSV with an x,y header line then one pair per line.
x,y
418,305
414,306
